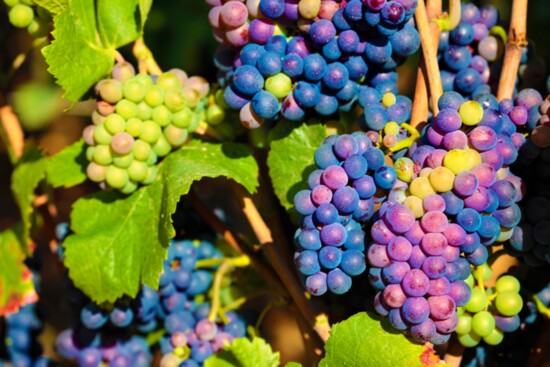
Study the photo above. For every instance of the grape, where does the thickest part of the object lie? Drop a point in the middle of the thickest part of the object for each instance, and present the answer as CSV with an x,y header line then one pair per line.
x,y
508,303
483,323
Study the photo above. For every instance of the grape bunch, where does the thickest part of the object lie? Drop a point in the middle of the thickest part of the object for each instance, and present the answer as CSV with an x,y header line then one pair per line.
x,y
288,58
26,14
491,312
351,179
139,119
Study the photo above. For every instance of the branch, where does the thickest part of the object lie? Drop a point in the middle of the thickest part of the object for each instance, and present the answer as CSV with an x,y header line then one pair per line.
x,y
517,41
146,61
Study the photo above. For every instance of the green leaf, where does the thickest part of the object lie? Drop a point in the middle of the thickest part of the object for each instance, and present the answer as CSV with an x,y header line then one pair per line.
x,y
245,353
30,170
36,104
293,364
120,242
118,22
290,159
68,167
54,7
16,286
144,8
367,339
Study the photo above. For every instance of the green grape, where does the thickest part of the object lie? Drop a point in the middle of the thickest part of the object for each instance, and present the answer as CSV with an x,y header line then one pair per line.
x,y
464,324
495,338
195,121
215,115
103,155
129,188
97,118
144,112
110,90
508,303
389,99
122,143
151,132
133,90
162,147
219,99
114,124
90,153
124,71
486,271
144,79
96,172
192,96
469,340
137,171
152,159
11,3
459,160
442,179
414,203
134,127
477,302
38,27
175,136
174,99
123,160
460,311
421,187
141,150
151,175
507,283
162,115
279,85
154,96
405,168
169,80
181,74
27,2
21,16
116,177
101,135
471,113
126,109
182,119
483,323
470,281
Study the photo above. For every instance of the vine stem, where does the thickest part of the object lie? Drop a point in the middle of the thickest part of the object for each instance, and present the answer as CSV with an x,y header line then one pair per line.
x,y
218,277
11,133
517,41
146,61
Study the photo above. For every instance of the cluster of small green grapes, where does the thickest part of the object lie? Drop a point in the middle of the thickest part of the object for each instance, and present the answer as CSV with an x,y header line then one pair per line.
x,y
140,118
24,14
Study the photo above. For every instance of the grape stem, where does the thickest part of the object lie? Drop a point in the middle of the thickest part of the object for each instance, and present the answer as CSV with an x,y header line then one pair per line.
x,y
406,143
517,41
11,133
146,61
541,308
216,286
238,261
449,21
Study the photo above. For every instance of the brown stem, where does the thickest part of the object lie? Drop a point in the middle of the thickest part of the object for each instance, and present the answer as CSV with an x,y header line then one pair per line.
x,y
517,41
216,286
12,133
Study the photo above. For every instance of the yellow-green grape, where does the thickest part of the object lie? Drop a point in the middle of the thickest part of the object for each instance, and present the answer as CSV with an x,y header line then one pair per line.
x,y
169,80
90,153
478,301
192,96
144,111
391,127
421,187
144,79
388,99
507,283
469,340
162,147
486,271
151,175
483,323
460,311
458,160
474,158
133,90
96,172
508,303
21,16
174,99
11,3
162,115
414,203
471,113
154,96
110,90
181,74
279,85
195,121
129,188
425,172
114,124
38,27
470,281
97,118
495,338
134,127
182,119
101,135
151,132
141,150
126,109
309,9
220,100
116,177
137,171
123,160
505,234
442,179
152,159
464,324
214,115
175,136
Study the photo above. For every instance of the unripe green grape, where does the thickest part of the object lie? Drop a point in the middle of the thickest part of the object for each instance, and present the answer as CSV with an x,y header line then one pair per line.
x,y
38,27
122,143
219,99
486,271
182,119
442,179
421,187
110,90
175,136
151,175
142,150
124,71
174,99
126,109
460,311
133,90
134,127
27,2
123,160
101,135
162,147
192,96
195,121
181,74
162,115
116,177
154,96
144,79
103,155
405,168
96,172
144,112
21,15
483,323
415,204
507,283
215,115
471,113
469,340
464,324
495,338
137,171
151,132
477,302
130,187
114,124
508,303
279,85
90,153
11,3
152,159
470,281
169,80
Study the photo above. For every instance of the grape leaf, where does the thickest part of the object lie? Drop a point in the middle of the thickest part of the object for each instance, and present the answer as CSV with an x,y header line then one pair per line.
x,y
144,8
16,286
30,170
245,353
366,339
120,242
68,167
54,7
118,22
290,159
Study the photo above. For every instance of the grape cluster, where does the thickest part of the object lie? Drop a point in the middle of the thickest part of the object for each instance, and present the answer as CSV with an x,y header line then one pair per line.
x,y
26,14
285,57
491,312
138,120
351,179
